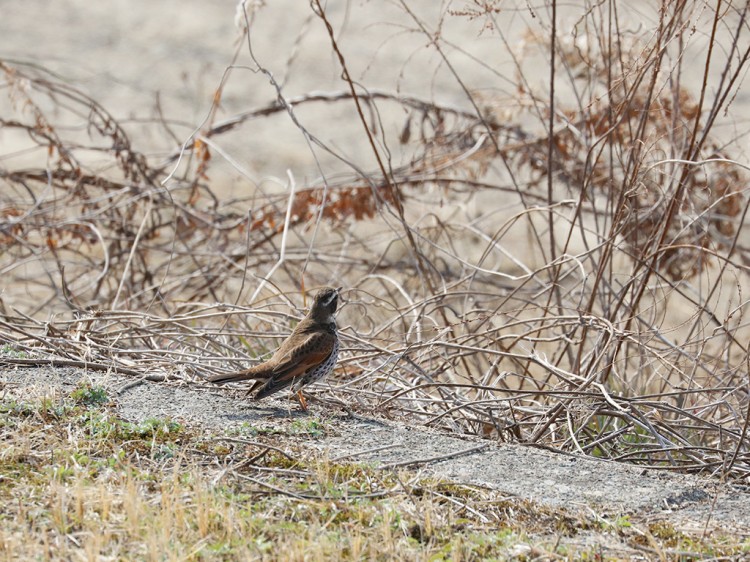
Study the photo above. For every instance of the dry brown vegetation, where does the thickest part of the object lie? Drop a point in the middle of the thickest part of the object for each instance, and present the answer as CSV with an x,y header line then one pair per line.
x,y
561,264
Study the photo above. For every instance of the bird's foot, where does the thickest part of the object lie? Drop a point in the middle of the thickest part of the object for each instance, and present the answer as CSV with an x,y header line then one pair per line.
x,y
302,400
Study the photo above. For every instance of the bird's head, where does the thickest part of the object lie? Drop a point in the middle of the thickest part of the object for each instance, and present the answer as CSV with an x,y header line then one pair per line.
x,y
325,303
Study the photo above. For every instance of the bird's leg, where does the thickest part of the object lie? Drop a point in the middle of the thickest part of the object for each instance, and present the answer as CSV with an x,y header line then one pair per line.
x,y
254,386
302,401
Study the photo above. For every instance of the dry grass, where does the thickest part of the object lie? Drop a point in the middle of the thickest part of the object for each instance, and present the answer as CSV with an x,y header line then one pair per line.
x,y
559,264
78,483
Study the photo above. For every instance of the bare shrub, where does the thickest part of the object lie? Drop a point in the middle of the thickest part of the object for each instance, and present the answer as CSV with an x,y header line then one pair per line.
x,y
559,265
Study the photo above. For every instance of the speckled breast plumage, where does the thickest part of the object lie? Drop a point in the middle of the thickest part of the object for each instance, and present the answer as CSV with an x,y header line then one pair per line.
x,y
322,370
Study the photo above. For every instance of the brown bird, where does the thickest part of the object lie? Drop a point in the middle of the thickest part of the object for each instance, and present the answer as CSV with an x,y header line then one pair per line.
x,y
306,356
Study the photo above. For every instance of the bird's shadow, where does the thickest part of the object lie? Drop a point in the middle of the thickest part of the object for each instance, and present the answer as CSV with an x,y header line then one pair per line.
x,y
245,409
254,413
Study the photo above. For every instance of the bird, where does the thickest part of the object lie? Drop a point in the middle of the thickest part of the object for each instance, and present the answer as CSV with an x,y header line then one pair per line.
x,y
306,356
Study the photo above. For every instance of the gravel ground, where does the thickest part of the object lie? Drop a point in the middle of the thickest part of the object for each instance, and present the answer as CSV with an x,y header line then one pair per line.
x,y
575,482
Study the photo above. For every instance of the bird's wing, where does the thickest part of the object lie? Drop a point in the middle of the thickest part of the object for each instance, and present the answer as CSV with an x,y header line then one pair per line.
x,y
305,356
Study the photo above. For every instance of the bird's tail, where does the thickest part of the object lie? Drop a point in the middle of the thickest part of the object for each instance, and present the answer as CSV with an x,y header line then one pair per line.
x,y
258,372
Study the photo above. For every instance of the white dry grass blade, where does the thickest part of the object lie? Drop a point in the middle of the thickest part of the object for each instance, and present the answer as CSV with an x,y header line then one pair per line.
x,y
133,249
284,236
105,256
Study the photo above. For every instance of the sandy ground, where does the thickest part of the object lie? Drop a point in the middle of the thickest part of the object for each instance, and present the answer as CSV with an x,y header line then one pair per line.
x,y
132,58
688,502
